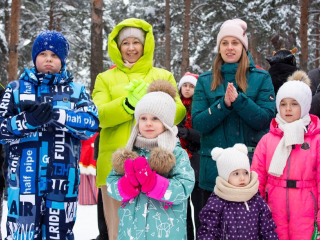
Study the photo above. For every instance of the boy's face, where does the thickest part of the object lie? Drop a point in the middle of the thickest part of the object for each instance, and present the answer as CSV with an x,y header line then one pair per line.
x,y
150,126
290,110
239,178
48,62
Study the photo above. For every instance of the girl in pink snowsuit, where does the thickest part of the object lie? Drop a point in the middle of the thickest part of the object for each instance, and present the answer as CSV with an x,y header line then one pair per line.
x,y
287,161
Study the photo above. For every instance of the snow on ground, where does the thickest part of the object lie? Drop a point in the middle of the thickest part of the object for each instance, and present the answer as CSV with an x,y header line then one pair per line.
x,y
86,226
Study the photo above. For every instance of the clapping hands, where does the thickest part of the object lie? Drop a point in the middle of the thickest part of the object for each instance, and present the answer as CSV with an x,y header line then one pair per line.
x,y
231,95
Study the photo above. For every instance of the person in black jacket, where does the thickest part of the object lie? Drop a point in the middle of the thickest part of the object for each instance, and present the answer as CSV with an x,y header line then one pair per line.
x,y
283,61
314,76
190,141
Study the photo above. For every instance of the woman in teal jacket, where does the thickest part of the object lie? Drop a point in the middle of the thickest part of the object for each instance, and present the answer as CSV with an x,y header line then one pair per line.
x,y
232,104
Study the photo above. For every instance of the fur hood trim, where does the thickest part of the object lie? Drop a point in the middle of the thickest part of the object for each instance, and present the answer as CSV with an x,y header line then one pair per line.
x,y
119,157
160,160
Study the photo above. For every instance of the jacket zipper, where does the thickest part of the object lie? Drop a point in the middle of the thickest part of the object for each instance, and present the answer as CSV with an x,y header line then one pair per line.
x,y
288,190
225,231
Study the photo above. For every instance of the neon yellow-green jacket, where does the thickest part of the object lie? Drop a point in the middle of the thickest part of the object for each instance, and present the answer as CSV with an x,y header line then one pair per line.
x,y
109,93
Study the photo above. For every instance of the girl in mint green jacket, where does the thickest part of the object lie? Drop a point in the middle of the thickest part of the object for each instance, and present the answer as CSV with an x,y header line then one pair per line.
x,y
152,176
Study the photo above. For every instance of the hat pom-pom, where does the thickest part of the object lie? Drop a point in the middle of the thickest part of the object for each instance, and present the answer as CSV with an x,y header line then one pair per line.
x,y
241,147
300,76
216,152
162,86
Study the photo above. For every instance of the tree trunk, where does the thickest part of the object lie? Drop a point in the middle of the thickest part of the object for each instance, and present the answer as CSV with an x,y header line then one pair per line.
x,y
7,35
14,39
51,16
185,41
253,48
304,34
317,20
168,38
7,21
96,40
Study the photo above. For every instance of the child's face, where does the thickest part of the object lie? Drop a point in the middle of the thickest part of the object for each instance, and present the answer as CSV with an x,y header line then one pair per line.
x,y
150,126
187,90
290,110
239,178
48,62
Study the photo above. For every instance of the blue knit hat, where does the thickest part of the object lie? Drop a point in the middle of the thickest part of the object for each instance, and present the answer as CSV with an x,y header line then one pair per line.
x,y
53,41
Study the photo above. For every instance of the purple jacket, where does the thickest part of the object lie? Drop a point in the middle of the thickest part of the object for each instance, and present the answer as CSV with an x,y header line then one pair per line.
x,y
221,219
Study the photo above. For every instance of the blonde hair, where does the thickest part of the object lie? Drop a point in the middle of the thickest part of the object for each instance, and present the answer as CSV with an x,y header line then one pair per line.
x,y
241,74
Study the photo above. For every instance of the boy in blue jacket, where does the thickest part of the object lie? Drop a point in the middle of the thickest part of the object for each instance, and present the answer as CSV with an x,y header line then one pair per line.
x,y
43,117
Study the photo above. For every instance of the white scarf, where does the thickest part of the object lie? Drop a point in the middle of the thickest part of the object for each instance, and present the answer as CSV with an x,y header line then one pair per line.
x,y
293,133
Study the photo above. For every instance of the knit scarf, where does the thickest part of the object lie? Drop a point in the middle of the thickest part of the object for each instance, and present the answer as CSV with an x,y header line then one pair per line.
x,y
142,142
231,193
293,133
166,140
184,142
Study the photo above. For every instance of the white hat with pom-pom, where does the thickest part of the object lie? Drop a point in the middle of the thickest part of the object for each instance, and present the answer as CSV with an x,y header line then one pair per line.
x,y
231,159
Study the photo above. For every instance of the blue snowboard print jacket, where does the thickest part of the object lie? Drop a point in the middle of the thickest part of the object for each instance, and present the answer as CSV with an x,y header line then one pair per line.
x,y
43,172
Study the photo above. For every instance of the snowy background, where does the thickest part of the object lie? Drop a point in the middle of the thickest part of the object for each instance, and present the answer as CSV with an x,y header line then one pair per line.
x,y
86,226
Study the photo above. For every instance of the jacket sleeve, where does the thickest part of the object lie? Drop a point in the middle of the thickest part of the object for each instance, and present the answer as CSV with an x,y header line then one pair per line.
x,y
112,185
259,165
180,184
266,224
82,121
13,125
210,219
111,112
202,112
259,113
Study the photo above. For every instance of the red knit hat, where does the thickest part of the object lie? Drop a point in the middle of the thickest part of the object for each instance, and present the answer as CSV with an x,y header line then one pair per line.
x,y
188,77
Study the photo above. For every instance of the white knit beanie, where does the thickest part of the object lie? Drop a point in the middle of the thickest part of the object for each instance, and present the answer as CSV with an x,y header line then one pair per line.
x,y
231,159
158,101
131,32
298,88
188,78
234,28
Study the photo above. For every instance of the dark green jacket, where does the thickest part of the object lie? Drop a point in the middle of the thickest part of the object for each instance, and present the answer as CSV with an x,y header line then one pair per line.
x,y
246,121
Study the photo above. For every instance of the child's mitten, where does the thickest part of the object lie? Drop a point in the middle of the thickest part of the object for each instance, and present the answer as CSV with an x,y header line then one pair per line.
x,y
129,172
144,174
126,189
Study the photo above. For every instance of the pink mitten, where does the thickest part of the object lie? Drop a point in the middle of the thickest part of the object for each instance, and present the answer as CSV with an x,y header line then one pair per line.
x,y
129,172
144,174
126,189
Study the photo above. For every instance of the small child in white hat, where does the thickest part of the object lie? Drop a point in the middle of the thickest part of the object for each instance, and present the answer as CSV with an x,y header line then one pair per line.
x,y
152,176
235,207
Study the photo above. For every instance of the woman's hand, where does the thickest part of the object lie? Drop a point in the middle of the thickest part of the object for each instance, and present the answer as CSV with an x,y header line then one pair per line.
x,y
232,92
226,99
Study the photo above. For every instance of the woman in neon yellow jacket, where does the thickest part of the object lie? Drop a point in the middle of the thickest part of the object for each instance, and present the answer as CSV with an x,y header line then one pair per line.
x,y
132,51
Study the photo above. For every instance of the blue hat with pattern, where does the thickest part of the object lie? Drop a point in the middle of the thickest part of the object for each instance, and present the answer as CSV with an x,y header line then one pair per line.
x,y
53,41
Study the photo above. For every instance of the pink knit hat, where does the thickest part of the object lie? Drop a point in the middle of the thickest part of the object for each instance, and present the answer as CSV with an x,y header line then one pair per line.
x,y
234,28
188,77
